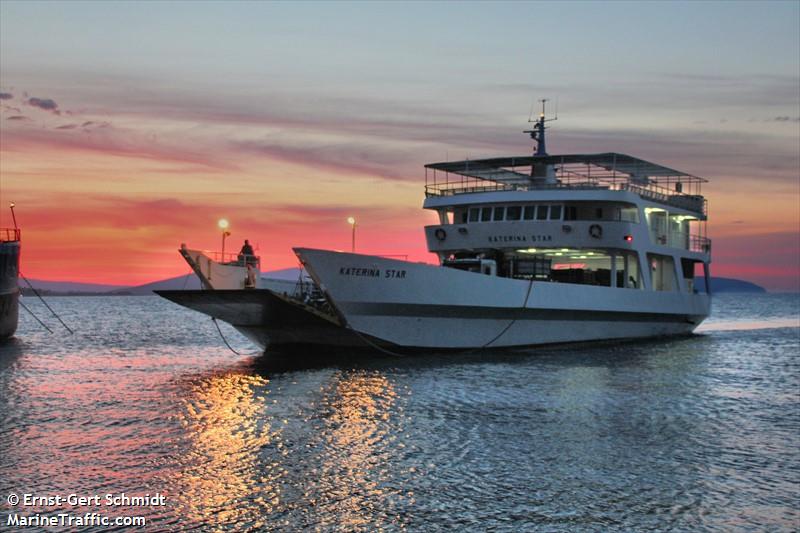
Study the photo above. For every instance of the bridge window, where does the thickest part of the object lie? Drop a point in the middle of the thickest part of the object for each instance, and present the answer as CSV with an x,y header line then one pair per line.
x,y
486,214
555,212
499,213
530,212
474,214
541,212
514,212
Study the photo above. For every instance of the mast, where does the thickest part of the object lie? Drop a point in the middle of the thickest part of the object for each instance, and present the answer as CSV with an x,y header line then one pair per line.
x,y
537,133
541,174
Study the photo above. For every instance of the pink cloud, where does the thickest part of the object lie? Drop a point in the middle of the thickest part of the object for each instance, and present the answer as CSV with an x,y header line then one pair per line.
x,y
107,140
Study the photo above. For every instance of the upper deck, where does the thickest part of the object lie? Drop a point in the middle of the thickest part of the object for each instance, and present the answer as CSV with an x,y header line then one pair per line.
x,y
606,171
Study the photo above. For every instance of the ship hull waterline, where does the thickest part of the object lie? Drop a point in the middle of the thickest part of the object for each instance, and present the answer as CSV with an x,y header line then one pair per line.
x,y
9,314
381,303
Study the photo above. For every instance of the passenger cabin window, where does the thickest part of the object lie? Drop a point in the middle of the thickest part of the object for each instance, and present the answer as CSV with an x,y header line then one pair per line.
x,y
629,214
530,212
514,212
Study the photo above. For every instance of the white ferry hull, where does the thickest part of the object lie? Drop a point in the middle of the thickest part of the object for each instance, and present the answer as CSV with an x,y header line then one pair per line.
x,y
380,303
416,305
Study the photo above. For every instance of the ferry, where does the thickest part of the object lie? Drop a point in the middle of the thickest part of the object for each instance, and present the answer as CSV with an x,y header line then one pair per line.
x,y
532,250
9,273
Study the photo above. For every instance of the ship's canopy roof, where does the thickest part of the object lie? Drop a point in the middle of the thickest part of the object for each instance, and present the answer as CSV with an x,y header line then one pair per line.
x,y
512,170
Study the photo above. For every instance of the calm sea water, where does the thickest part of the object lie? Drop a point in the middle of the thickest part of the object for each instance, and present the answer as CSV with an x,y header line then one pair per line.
x,y
693,434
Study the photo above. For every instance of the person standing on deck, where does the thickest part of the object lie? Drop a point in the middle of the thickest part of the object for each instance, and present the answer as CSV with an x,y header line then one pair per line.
x,y
246,254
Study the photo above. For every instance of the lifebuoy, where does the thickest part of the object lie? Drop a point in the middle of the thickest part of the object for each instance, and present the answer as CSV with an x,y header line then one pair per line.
x,y
596,231
440,234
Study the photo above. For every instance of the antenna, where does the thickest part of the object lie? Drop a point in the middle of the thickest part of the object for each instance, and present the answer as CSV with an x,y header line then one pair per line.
x,y
537,133
541,115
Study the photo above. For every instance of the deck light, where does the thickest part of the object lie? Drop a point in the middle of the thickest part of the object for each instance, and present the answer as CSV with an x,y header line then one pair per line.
x,y
352,222
223,225
13,216
628,238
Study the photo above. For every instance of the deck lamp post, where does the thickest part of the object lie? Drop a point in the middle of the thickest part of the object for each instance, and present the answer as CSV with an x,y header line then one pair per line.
x,y
13,216
352,222
223,225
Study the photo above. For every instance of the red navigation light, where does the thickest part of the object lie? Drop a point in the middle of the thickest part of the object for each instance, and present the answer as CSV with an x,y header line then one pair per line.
x,y
628,238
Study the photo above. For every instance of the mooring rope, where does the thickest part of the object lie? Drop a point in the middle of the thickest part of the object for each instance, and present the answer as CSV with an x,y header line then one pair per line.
x,y
514,320
25,307
214,320
45,304
464,352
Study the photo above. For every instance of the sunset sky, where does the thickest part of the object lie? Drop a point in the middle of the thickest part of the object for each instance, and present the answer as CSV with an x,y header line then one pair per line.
x,y
129,128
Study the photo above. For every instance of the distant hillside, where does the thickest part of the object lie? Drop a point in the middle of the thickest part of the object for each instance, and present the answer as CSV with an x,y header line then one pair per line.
x,y
729,285
72,287
184,282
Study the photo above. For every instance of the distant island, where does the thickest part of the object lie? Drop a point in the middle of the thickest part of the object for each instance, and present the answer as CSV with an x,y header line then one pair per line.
x,y
191,282
729,285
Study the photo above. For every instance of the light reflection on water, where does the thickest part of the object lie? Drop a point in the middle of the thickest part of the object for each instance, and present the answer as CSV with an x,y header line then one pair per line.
x,y
219,471
358,415
697,433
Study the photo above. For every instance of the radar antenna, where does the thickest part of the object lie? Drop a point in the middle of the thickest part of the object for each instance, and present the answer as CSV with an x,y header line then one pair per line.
x,y
537,133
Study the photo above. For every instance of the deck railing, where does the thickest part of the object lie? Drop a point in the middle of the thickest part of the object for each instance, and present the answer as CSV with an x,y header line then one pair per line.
x,y
682,240
669,191
10,234
234,259
699,244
